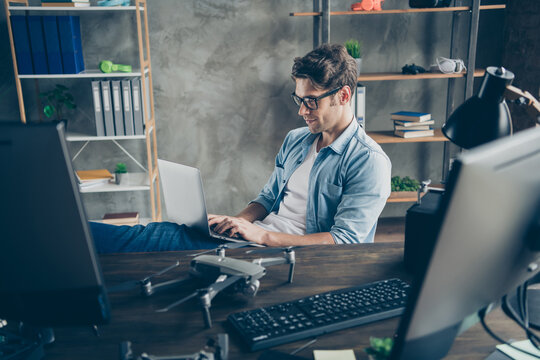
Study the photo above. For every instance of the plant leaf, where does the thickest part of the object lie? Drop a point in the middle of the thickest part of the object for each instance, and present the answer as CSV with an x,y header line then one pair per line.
x,y
49,110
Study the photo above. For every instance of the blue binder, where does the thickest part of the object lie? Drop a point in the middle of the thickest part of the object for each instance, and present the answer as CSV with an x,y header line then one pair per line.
x,y
37,44
69,28
21,40
52,44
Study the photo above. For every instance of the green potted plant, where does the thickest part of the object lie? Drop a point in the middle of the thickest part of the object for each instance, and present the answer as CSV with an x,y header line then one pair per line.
x,y
404,184
379,349
120,173
354,48
55,100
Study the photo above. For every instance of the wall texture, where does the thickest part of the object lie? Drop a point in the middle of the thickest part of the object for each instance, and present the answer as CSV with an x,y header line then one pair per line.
x,y
222,82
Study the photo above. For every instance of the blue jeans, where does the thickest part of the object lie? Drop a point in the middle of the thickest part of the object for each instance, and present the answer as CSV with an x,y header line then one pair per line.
x,y
163,236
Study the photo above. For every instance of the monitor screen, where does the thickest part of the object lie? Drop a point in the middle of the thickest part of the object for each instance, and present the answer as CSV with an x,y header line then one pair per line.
x,y
483,250
50,272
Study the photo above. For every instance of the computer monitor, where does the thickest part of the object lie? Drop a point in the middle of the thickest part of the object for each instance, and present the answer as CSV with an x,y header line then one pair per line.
x,y
485,247
50,273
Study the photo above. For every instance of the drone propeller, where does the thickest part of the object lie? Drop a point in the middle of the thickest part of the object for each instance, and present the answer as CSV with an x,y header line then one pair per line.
x,y
227,246
133,284
212,290
273,250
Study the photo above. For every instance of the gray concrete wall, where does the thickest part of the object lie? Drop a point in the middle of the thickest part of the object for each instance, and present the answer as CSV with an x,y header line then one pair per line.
x,y
221,83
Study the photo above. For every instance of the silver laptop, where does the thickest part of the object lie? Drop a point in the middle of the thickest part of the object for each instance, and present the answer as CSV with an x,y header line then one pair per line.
x,y
184,198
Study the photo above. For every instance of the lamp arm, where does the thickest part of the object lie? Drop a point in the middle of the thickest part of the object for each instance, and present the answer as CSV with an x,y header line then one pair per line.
x,y
512,93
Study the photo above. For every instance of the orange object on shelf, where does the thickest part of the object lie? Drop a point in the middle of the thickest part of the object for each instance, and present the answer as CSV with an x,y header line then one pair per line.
x,y
367,5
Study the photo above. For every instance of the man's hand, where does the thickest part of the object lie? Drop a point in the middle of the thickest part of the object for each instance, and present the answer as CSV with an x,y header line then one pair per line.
x,y
237,226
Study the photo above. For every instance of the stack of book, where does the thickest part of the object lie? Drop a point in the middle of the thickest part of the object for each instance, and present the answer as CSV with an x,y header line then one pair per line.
x,y
65,3
126,218
90,178
410,124
47,44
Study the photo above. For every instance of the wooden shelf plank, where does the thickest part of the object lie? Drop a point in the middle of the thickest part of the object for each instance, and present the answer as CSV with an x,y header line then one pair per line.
x,y
401,11
402,196
385,76
388,137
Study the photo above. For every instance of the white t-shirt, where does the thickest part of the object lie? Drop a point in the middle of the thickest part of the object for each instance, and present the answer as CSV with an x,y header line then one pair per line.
x,y
291,216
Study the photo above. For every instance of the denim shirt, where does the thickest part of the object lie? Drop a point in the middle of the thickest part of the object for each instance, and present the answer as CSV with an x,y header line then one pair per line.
x,y
348,184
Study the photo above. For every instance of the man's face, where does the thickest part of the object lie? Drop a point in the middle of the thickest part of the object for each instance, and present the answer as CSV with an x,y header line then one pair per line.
x,y
325,118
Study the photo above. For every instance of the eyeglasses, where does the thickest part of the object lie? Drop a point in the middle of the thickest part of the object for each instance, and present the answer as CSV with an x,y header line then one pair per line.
x,y
312,102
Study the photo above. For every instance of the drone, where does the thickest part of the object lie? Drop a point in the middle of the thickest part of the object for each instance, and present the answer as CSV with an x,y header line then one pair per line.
x,y
220,272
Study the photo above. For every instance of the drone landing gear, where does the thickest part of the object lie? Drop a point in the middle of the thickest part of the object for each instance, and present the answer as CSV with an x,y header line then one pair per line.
x,y
288,258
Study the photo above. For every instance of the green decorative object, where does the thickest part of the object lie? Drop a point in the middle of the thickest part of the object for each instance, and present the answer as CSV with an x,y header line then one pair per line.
x,y
121,168
404,184
354,48
379,349
55,100
107,66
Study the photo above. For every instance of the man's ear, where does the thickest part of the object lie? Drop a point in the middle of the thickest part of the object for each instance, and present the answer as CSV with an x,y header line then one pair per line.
x,y
345,94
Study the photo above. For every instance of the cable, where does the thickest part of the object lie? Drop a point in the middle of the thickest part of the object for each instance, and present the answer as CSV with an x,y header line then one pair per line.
x,y
482,314
514,316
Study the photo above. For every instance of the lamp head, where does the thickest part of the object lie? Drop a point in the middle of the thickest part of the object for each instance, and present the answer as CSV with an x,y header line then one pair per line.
x,y
484,117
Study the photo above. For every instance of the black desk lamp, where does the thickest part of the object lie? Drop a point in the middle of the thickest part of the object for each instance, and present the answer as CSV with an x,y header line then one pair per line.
x,y
484,117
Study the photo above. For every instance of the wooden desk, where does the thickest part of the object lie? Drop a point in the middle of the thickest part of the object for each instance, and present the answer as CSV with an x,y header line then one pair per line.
x,y
181,331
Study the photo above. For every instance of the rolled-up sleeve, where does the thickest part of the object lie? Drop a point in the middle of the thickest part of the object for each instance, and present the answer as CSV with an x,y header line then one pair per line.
x,y
365,190
270,192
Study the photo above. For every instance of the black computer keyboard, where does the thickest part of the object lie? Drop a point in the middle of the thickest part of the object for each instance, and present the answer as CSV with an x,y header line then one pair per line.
x,y
320,314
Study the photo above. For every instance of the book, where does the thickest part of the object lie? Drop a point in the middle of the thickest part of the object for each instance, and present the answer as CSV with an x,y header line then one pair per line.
x,y
125,218
406,123
138,121
117,108
98,109
37,45
358,104
413,133
52,44
65,4
93,183
93,175
21,40
412,128
108,117
69,28
410,116
128,111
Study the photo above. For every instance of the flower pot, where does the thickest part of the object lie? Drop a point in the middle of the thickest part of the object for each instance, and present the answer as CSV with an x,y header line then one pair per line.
x,y
121,178
358,65
132,179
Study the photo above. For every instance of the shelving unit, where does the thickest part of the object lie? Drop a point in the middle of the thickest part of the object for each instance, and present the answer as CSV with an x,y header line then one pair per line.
x,y
144,70
321,34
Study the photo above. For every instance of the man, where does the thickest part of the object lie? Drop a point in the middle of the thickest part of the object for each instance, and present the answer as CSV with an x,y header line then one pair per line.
x,y
329,185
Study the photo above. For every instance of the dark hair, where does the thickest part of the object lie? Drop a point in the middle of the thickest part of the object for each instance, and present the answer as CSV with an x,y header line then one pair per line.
x,y
327,67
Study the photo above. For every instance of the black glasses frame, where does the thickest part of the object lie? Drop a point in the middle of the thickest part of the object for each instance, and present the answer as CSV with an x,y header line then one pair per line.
x,y
298,100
